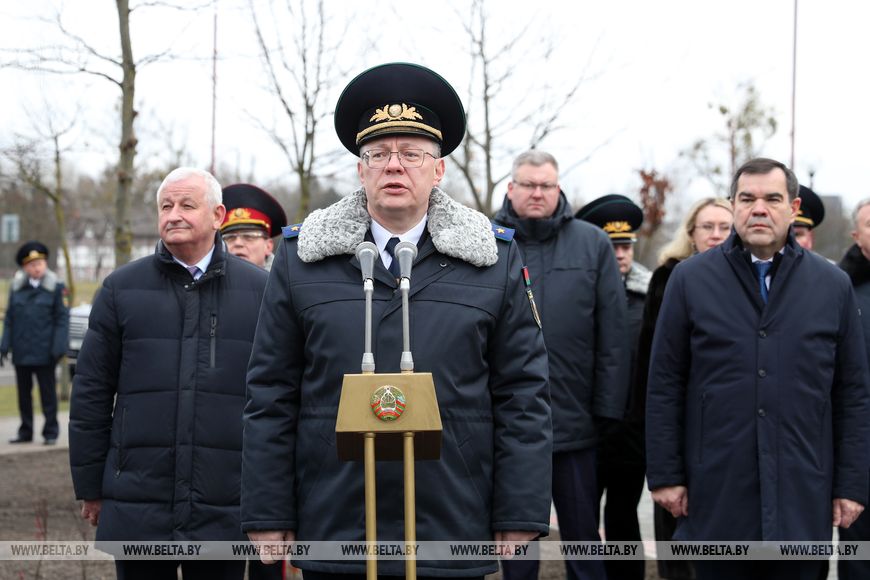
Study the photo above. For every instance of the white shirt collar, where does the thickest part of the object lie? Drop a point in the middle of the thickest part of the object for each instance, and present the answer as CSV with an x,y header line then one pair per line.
x,y
202,264
382,235
755,259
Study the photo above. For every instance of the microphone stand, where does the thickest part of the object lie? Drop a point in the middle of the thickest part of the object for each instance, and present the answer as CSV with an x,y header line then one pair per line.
x,y
405,252
400,407
366,253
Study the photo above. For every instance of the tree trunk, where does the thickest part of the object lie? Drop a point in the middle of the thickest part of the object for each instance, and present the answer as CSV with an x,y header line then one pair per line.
x,y
127,147
60,217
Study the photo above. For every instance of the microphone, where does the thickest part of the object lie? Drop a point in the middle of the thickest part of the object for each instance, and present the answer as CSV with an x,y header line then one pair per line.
x,y
405,252
367,253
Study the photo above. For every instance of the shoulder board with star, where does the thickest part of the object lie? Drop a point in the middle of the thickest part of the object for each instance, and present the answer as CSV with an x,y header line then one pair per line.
x,y
291,231
502,233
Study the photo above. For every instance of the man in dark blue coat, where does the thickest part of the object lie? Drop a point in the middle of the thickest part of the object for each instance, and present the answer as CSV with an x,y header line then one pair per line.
x,y
757,407
856,263
581,298
472,327
156,411
36,331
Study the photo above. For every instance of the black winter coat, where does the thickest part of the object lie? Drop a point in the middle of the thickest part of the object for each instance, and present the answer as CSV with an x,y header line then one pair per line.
x,y
471,327
652,306
622,442
36,325
760,410
858,268
156,412
581,298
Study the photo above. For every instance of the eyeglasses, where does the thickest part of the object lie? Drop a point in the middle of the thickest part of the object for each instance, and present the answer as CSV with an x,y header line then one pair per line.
x,y
246,237
379,158
710,228
529,186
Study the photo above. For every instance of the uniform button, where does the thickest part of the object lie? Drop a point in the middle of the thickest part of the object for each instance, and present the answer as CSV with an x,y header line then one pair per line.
x,y
762,334
761,413
762,373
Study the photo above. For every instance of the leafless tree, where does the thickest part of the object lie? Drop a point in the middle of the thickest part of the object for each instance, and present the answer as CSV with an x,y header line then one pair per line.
x,y
28,156
506,114
302,76
748,126
76,55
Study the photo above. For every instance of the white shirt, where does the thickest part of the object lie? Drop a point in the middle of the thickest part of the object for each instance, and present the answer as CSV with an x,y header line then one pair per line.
x,y
202,264
382,235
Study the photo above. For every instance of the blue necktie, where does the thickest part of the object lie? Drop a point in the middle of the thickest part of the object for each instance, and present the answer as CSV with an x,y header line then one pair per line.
x,y
761,270
194,270
394,265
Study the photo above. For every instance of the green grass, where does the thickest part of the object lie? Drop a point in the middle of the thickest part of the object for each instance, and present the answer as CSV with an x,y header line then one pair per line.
x,y
9,401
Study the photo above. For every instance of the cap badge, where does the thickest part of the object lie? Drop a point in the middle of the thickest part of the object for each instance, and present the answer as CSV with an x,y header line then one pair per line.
x,y
388,403
241,213
617,227
392,112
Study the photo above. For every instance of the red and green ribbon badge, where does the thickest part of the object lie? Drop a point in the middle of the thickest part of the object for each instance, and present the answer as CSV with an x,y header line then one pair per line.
x,y
528,281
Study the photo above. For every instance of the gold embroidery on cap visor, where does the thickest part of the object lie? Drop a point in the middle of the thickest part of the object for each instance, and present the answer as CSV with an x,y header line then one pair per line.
x,y
620,230
33,255
423,128
802,220
393,116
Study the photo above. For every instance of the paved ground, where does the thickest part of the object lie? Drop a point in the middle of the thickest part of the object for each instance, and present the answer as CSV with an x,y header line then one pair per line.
x,y
9,426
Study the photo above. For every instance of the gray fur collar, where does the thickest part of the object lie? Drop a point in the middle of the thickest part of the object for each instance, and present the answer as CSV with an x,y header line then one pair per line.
x,y
457,231
638,279
49,280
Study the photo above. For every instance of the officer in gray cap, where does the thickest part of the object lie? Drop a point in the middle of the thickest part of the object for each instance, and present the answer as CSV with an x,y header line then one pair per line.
x,y
472,327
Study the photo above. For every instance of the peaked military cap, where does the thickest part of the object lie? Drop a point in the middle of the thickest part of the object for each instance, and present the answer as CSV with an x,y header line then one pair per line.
x,y
812,210
617,215
399,99
249,207
30,251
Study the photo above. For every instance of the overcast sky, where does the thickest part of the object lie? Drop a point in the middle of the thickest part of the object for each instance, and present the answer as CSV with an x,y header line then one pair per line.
x,y
657,65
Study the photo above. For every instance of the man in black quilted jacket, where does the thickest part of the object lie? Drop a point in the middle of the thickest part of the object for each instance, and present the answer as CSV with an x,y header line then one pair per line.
x,y
156,413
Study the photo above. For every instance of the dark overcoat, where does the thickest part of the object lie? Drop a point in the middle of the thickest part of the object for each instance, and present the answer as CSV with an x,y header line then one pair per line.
x,y
760,410
156,411
581,297
471,326
36,324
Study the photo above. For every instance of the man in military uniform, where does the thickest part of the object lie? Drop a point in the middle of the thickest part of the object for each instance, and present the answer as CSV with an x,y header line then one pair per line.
x,y
621,458
472,327
253,218
810,214
36,330
582,309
